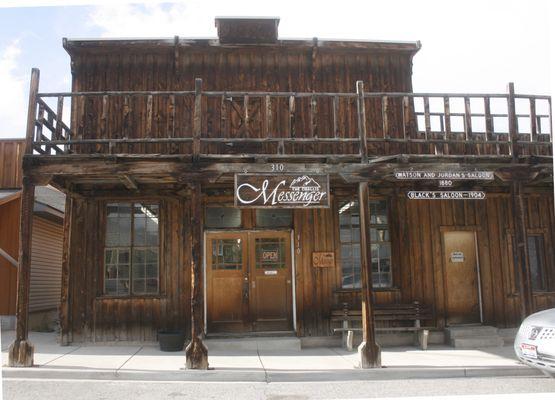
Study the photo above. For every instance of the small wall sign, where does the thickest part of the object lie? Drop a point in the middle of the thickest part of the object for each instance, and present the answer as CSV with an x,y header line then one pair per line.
x,y
444,175
270,255
446,195
282,191
323,259
457,257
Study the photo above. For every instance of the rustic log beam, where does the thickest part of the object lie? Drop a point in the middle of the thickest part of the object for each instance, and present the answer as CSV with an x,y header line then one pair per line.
x,y
197,118
65,301
196,353
22,350
520,249
361,122
369,352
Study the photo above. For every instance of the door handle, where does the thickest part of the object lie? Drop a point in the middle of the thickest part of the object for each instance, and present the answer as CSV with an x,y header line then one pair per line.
x,y
245,290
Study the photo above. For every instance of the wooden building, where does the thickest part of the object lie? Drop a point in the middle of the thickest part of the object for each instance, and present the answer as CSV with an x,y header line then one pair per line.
x,y
226,186
47,240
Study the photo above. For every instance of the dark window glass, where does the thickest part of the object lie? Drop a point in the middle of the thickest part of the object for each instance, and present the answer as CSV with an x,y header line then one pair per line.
x,y
270,253
227,254
349,236
535,258
223,217
274,218
131,255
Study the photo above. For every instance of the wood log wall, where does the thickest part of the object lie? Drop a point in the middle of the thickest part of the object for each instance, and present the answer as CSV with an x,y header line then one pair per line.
x,y
416,227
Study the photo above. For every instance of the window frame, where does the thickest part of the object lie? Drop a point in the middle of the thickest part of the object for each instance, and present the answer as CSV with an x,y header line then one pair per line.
x,y
104,247
543,256
388,203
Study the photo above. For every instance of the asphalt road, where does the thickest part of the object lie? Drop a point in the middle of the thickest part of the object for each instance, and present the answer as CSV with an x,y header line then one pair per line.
x,y
458,389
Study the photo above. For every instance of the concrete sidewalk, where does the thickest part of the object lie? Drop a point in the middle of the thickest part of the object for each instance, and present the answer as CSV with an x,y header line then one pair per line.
x,y
147,362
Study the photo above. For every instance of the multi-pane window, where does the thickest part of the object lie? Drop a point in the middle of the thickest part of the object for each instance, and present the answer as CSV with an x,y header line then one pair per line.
x,y
131,254
349,237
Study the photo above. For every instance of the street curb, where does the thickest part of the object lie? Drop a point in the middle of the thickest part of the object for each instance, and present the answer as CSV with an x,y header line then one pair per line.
x,y
259,375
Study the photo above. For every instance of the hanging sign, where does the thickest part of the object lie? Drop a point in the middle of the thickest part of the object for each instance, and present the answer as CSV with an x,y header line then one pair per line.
x,y
271,255
457,257
441,195
282,191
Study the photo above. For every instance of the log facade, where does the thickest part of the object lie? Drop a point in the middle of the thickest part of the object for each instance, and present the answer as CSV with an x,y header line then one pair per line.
x,y
159,123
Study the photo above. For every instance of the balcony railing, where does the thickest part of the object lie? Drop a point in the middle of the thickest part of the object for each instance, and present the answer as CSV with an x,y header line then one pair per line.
x,y
357,125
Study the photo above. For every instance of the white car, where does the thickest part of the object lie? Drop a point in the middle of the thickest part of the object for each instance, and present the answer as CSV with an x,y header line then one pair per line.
x,y
535,341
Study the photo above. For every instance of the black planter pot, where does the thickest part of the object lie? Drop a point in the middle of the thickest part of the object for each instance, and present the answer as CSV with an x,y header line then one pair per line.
x,y
171,340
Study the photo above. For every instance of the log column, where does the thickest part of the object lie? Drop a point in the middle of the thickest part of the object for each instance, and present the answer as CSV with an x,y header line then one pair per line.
x,y
369,351
196,353
21,350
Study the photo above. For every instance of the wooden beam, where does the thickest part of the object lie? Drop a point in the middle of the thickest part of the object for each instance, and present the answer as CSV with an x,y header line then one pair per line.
x,y
22,350
196,353
65,298
129,182
520,249
197,118
32,110
369,351
8,258
361,122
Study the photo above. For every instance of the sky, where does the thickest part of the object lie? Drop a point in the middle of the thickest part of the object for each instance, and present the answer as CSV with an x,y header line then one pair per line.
x,y
473,46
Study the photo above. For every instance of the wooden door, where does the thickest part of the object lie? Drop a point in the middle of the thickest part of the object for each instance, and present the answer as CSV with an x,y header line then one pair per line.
x,y
248,279
271,285
227,282
461,277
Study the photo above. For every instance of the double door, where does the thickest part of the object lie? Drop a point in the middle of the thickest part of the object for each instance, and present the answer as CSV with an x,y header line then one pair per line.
x,y
249,283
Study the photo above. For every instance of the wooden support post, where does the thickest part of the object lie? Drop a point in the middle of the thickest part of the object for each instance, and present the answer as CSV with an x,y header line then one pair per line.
x,y
197,118
65,301
21,350
511,112
369,351
520,249
32,110
196,353
361,122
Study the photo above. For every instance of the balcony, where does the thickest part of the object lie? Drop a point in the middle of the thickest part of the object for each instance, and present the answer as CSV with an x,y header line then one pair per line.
x,y
347,127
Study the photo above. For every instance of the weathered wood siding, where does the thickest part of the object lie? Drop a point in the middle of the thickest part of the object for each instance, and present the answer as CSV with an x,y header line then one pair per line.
x,y
94,317
9,241
46,265
418,271
11,153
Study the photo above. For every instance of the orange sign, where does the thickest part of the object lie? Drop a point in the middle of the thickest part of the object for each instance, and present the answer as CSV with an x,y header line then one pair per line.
x,y
323,259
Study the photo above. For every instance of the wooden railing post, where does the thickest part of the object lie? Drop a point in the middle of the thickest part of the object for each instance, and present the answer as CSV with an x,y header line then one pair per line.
x,y
22,350
511,115
196,353
197,119
32,110
369,351
361,122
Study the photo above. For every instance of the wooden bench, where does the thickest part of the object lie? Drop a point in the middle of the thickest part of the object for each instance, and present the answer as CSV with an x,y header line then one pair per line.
x,y
414,312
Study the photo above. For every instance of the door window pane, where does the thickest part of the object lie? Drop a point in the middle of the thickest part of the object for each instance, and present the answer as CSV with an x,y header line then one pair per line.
x,y
270,253
227,254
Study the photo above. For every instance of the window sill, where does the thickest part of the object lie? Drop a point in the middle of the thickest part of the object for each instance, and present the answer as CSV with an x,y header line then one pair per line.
x,y
391,289
132,297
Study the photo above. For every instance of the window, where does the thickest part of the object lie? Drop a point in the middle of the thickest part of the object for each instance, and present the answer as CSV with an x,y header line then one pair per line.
x,y
222,217
274,218
131,254
349,237
536,262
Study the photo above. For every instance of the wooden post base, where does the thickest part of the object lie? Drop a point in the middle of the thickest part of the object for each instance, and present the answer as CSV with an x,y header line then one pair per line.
x,y
21,354
196,355
370,357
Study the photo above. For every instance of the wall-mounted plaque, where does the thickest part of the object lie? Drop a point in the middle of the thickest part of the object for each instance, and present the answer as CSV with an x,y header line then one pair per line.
x,y
323,259
457,257
282,191
441,195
